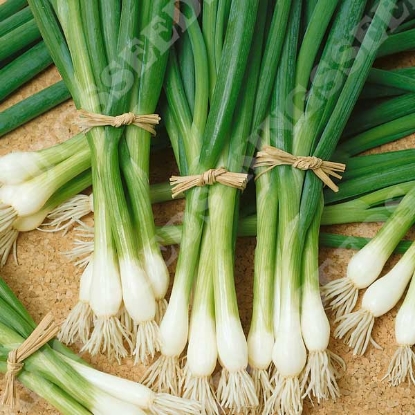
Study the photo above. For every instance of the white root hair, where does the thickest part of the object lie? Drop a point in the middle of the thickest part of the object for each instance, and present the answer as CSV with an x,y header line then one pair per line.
x,y
63,217
165,404
160,310
263,387
236,391
201,390
401,366
8,244
286,398
146,336
319,377
356,330
340,296
83,248
7,216
126,320
164,375
108,336
78,324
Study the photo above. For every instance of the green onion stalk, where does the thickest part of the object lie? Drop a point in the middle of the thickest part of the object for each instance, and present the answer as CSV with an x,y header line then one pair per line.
x,y
101,80
203,134
312,308
69,383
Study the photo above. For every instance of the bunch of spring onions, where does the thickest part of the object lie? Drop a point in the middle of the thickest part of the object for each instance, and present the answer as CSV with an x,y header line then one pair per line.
x,y
202,87
70,384
311,125
123,299
35,183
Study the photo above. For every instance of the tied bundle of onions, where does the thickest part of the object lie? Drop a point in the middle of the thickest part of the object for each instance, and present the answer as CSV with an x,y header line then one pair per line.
x,y
129,278
69,383
202,89
310,127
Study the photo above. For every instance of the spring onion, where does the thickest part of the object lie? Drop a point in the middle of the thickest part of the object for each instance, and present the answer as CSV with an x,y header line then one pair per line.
x,y
378,299
365,266
402,363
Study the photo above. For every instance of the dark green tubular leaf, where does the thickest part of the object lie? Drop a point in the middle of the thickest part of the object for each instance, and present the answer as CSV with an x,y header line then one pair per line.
x,y
209,27
201,93
373,91
187,68
404,12
334,216
316,29
120,73
330,76
269,66
230,74
405,26
391,79
308,9
190,127
365,118
371,182
10,7
8,296
18,39
157,43
32,107
363,165
94,40
175,139
23,68
355,242
110,14
241,129
409,71
400,42
14,316
55,41
382,134
347,99
177,104
16,20
222,17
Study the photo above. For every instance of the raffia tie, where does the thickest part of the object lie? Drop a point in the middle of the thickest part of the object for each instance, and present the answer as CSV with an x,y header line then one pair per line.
x,y
271,157
90,120
182,183
45,331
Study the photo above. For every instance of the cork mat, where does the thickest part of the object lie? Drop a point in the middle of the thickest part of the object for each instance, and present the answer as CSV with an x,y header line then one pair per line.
x,y
45,280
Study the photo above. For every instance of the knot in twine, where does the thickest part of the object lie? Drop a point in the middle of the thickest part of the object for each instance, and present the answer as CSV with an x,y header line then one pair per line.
x,y
182,183
271,157
45,331
90,120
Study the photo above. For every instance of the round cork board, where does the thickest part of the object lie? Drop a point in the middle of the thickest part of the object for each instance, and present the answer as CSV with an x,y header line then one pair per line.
x,y
45,280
